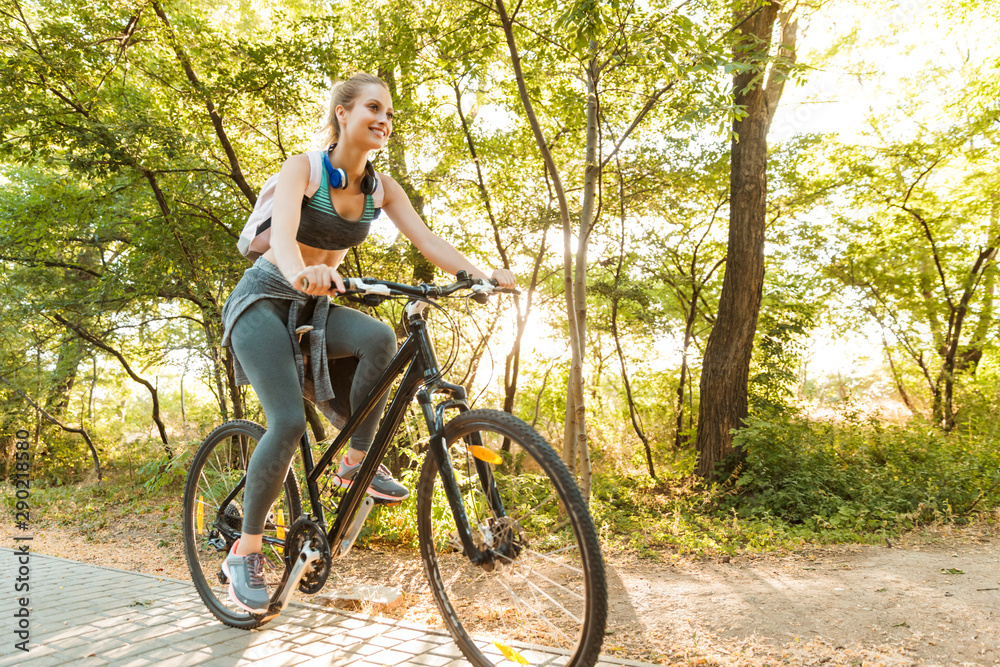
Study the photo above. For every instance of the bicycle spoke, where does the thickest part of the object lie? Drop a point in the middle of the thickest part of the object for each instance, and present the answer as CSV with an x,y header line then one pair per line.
x,y
528,513
517,598
551,599
552,560
542,576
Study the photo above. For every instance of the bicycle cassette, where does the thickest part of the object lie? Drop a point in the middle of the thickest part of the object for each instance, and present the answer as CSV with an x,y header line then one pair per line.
x,y
305,533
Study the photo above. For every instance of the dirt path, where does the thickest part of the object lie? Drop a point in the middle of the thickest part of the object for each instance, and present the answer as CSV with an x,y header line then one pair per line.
x,y
934,600
918,604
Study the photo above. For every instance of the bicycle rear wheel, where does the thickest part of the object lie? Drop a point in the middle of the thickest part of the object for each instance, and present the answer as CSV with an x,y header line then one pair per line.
x,y
211,525
546,587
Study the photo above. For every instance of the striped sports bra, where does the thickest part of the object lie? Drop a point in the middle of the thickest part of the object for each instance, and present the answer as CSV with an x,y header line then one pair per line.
x,y
320,226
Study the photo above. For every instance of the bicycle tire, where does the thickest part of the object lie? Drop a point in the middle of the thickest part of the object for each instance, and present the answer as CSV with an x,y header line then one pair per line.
x,y
217,467
493,616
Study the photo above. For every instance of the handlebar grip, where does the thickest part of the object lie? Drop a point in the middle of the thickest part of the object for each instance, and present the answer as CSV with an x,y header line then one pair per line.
x,y
304,284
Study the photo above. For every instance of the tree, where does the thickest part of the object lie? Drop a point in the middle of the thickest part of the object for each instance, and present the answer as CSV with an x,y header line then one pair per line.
x,y
923,252
726,366
611,48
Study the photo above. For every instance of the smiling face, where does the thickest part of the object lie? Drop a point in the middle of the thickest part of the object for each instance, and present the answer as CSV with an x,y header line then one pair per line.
x,y
369,120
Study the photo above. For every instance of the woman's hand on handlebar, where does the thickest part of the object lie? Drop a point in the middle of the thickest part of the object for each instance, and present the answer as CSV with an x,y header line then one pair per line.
x,y
318,279
504,278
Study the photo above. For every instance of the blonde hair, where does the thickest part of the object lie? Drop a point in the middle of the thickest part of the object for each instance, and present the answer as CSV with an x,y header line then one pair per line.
x,y
343,94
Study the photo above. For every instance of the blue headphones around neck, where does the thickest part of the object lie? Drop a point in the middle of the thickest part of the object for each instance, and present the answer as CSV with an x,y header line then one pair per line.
x,y
338,177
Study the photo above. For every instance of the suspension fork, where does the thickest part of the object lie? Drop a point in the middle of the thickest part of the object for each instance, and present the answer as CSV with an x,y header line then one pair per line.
x,y
439,450
446,471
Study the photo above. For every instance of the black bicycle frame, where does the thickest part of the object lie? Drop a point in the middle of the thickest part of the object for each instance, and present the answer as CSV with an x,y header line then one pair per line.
x,y
417,360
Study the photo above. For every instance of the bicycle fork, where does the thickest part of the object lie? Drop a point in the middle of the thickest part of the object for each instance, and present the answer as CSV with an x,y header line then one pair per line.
x,y
439,448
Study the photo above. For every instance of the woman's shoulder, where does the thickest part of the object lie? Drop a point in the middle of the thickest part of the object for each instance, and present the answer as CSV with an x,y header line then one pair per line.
x,y
306,168
387,184
297,161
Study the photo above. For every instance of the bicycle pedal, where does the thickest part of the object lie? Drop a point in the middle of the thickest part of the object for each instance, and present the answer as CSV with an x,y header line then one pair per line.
x,y
387,503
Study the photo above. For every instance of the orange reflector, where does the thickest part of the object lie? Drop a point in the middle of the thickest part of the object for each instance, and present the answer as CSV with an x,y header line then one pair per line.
x,y
199,516
281,529
484,454
511,654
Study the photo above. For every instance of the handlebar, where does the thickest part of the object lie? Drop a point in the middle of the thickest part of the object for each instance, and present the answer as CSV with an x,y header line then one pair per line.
x,y
385,288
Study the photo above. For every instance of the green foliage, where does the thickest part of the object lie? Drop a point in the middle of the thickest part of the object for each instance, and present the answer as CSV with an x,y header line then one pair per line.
x,y
61,457
398,525
166,472
779,344
860,475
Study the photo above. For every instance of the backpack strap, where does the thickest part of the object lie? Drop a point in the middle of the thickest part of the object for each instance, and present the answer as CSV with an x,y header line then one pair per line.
x,y
315,171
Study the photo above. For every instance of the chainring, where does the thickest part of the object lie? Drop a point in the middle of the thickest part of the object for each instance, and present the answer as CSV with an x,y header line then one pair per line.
x,y
305,532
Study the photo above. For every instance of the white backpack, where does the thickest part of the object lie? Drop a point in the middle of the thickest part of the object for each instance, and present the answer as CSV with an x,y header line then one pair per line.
x,y
253,243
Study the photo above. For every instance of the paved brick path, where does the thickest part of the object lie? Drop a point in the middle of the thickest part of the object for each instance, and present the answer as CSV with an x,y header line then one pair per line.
x,y
85,615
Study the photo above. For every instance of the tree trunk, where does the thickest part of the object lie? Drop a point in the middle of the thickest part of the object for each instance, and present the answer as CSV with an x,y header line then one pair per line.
x,y
64,376
957,322
315,422
574,394
219,367
236,170
632,410
897,377
970,355
512,363
234,389
591,180
153,393
726,366
679,439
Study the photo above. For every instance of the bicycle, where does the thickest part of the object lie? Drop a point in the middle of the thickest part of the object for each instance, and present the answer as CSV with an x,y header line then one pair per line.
x,y
507,542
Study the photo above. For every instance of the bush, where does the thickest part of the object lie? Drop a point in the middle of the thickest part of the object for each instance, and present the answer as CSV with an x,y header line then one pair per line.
x,y
860,475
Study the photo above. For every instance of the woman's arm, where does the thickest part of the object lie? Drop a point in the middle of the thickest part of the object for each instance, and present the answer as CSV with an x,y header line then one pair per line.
x,y
285,216
292,181
441,253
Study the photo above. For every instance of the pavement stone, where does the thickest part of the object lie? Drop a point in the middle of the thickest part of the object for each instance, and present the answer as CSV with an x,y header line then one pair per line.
x,y
84,614
430,660
416,646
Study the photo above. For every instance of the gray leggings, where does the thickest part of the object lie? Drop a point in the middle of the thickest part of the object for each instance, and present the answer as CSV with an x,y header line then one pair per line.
x,y
261,343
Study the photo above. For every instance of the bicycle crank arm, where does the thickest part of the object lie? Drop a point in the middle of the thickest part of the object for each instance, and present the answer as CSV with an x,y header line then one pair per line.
x,y
306,558
355,529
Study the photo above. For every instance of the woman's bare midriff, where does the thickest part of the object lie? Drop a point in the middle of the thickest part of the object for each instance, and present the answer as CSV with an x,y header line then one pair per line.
x,y
312,256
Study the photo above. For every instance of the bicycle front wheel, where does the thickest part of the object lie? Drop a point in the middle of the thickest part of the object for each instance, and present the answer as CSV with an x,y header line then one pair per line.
x,y
546,586
212,524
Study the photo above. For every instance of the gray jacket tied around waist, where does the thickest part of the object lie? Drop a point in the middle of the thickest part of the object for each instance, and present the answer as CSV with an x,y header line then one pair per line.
x,y
328,383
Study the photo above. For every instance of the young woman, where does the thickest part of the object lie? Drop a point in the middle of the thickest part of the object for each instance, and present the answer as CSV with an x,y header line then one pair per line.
x,y
309,238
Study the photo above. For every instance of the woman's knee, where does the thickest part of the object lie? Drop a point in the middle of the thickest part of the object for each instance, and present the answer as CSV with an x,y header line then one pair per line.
x,y
384,340
289,425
